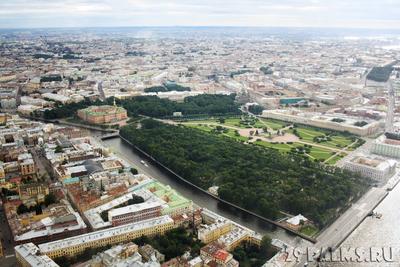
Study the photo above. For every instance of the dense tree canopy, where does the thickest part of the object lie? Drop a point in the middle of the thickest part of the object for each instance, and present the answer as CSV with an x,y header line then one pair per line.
x,y
153,106
380,74
205,104
166,88
51,78
256,109
250,255
173,243
69,110
262,180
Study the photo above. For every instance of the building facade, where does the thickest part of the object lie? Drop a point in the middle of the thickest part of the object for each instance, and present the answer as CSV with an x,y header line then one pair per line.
x,y
134,213
377,169
210,233
103,114
386,147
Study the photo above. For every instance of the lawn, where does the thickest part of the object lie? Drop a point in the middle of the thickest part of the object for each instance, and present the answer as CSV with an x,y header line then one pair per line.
x,y
274,124
338,140
315,152
234,122
320,153
231,133
278,146
334,159
208,128
306,133
309,230
200,126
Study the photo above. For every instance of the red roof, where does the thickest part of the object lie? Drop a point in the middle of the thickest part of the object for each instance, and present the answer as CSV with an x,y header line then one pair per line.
x,y
221,255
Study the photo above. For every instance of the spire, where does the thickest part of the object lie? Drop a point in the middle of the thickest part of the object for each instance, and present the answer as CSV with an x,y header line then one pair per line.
x,y
391,106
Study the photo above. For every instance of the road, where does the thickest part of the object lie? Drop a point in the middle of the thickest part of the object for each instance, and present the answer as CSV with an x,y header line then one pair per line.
x,y
9,259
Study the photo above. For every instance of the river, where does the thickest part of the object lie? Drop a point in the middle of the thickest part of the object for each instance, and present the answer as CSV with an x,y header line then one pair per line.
x,y
379,233
124,151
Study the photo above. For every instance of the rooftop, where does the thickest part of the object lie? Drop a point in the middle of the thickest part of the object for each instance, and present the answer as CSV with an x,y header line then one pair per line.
x,y
134,208
102,110
30,254
106,233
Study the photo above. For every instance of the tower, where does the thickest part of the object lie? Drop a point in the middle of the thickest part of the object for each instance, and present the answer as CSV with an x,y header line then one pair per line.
x,y
391,105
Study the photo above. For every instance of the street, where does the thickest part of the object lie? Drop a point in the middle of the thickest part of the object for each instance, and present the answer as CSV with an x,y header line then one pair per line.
x,y
8,247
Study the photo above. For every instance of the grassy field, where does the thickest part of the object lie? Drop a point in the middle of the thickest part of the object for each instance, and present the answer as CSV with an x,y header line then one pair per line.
x,y
337,140
324,150
309,230
209,128
274,124
335,159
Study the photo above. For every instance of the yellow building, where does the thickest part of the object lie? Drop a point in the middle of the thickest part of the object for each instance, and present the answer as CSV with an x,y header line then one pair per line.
x,y
1,250
75,245
2,172
210,233
234,238
26,164
28,168
3,119
28,255
34,191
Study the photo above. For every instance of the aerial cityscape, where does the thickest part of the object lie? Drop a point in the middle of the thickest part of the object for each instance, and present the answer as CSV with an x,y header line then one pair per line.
x,y
191,139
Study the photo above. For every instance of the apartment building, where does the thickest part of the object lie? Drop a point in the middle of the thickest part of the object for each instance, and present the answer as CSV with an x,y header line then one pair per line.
x,y
210,233
134,213
75,245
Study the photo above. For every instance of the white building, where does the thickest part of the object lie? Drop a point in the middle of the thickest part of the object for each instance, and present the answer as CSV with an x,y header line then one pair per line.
x,y
8,103
28,255
56,97
386,147
326,121
375,168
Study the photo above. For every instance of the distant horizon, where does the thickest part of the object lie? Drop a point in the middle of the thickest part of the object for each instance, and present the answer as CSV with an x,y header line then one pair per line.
x,y
354,14
304,29
200,26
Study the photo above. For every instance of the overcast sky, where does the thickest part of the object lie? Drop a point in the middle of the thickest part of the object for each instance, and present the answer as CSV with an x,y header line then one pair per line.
x,y
299,13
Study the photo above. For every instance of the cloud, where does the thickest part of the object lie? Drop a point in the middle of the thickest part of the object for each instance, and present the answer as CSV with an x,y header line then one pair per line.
x,y
317,13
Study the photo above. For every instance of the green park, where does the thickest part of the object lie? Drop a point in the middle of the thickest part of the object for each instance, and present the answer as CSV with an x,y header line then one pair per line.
x,y
318,144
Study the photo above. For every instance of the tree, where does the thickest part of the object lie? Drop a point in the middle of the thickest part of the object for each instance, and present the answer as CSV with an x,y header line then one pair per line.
x,y
266,243
287,182
134,171
7,192
153,106
256,109
50,199
38,209
101,186
135,200
104,215
22,209
58,149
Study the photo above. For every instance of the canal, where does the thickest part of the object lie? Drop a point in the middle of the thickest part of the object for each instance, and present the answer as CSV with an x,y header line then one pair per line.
x,y
124,151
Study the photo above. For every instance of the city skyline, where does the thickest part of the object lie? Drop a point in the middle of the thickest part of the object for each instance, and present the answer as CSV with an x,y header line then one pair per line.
x,y
252,13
